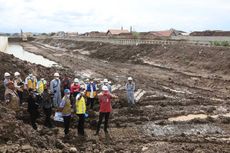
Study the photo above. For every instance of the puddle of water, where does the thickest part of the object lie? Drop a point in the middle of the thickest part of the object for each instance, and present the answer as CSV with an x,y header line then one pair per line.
x,y
188,129
188,117
193,116
20,53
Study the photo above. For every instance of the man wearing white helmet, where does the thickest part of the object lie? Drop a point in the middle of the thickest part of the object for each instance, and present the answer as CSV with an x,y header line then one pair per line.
x,y
105,108
74,89
91,92
18,85
7,79
106,83
130,88
55,88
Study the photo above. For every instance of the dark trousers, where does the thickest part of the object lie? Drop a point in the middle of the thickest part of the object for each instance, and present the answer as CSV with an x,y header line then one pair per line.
x,y
101,116
66,123
47,112
20,95
73,98
90,101
81,121
33,118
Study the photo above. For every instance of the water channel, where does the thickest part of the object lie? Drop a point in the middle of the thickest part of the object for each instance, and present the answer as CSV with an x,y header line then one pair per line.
x,y
18,51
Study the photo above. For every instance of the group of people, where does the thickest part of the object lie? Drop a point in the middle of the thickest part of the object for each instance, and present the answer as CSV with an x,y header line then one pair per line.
x,y
64,96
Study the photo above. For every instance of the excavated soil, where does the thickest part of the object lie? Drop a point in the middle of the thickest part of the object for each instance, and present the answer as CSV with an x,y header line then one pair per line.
x,y
172,82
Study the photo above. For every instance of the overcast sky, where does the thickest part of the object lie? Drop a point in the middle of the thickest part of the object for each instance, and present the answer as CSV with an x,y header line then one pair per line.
x,y
100,15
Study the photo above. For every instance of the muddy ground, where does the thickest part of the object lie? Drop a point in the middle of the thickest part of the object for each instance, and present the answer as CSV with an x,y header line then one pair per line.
x,y
174,80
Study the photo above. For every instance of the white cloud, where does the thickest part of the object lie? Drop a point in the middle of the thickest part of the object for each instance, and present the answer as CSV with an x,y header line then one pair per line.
x,y
88,15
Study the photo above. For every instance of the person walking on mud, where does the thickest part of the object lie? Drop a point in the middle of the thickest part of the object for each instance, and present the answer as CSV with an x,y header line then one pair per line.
x,y
55,88
130,88
80,109
105,108
65,108
19,86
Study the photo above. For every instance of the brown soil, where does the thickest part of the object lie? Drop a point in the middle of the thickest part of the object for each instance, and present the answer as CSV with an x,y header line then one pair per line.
x,y
178,80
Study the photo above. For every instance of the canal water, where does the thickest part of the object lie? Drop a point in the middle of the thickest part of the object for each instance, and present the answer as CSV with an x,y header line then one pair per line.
x,y
20,53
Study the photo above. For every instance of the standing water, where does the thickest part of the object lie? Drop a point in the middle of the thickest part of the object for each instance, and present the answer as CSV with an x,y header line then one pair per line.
x,y
20,53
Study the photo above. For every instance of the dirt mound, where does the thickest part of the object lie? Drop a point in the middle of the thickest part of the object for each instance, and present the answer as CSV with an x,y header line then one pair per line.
x,y
18,136
11,64
210,33
211,59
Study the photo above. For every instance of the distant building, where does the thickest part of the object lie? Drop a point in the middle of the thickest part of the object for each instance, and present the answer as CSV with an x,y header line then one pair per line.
x,y
60,34
72,34
167,33
111,32
94,34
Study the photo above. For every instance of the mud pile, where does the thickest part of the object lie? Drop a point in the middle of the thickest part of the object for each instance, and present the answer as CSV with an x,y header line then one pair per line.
x,y
212,59
154,125
11,65
16,136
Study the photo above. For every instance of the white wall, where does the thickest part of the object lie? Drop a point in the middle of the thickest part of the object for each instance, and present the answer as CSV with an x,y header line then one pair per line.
x,y
3,43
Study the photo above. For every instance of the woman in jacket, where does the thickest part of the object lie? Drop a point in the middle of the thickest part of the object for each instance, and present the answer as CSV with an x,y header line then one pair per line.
x,y
65,108
80,111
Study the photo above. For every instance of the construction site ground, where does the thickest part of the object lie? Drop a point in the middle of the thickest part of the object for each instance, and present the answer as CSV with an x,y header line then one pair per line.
x,y
182,95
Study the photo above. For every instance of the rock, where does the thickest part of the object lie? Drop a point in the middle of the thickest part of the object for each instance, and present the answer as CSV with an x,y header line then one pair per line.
x,y
144,148
60,144
96,151
9,143
27,148
73,150
109,151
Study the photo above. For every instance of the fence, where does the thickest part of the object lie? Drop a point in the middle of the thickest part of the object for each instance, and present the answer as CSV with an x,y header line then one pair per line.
x,y
191,40
123,41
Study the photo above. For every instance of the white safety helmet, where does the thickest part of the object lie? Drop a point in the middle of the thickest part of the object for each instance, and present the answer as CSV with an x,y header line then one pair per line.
x,y
6,74
76,80
130,78
105,81
56,74
16,74
105,88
